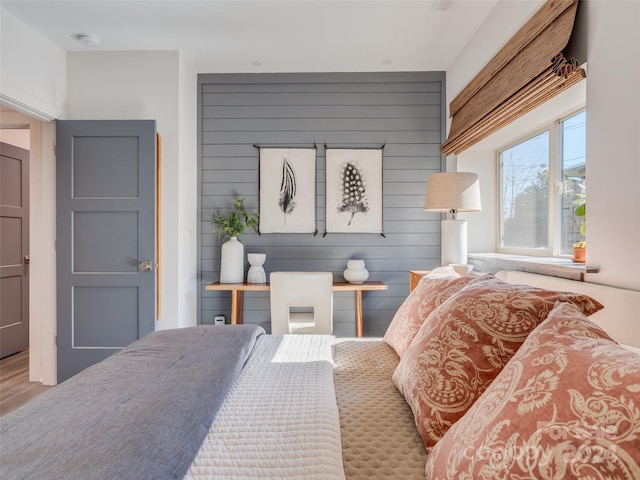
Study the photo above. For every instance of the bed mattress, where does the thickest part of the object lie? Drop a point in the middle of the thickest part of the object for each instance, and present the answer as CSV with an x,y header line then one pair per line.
x,y
379,436
262,429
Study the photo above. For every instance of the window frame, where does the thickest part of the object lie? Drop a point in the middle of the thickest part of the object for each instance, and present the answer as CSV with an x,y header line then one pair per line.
x,y
556,186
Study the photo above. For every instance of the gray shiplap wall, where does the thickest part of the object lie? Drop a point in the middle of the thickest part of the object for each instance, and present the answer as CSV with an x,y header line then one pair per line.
x,y
404,111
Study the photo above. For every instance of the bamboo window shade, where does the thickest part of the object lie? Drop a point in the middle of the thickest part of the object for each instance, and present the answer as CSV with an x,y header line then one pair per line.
x,y
529,70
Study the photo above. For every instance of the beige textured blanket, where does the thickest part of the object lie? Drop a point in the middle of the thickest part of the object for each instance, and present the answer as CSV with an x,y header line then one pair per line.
x,y
379,436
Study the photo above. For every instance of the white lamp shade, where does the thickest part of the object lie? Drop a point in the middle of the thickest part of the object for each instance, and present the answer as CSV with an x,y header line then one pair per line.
x,y
459,191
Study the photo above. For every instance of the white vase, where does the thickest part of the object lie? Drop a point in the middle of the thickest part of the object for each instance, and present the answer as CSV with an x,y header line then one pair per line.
x,y
355,272
232,261
256,273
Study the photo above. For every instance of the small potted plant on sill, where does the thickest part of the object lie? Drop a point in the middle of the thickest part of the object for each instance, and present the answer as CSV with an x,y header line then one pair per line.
x,y
580,248
232,252
580,252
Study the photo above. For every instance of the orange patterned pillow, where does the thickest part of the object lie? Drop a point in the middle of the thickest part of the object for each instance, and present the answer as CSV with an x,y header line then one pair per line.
x,y
432,290
465,343
566,406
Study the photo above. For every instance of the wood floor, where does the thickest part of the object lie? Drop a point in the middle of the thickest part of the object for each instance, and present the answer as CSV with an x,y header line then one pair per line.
x,y
15,387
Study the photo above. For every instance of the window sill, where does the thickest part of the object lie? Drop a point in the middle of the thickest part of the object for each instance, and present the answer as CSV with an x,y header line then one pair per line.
x,y
552,266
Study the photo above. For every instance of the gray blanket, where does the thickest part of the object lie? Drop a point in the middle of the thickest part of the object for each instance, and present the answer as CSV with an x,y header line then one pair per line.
x,y
140,414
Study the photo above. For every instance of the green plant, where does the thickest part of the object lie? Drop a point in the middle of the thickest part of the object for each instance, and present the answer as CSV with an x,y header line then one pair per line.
x,y
237,222
581,210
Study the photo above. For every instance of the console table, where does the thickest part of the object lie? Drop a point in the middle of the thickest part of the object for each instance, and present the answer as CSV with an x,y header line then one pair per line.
x,y
237,296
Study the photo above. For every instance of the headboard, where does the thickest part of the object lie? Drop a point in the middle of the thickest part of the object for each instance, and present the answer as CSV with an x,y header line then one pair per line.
x,y
621,316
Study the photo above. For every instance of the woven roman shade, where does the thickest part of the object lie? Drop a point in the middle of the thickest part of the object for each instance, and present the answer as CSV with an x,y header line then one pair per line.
x,y
529,70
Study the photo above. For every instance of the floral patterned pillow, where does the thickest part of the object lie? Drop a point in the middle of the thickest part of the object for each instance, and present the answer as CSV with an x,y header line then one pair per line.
x,y
465,343
432,290
566,406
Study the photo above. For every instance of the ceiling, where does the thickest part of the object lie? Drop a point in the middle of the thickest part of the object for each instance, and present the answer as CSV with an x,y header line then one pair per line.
x,y
217,36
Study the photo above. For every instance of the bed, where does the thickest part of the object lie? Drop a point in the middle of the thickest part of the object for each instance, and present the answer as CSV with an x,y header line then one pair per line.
x,y
232,402
214,402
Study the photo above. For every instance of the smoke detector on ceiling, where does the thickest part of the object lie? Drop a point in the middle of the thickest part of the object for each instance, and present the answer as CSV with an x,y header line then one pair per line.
x,y
441,5
87,40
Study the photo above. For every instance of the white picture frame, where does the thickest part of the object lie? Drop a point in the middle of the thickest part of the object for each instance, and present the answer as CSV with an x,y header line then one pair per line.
x,y
288,190
354,190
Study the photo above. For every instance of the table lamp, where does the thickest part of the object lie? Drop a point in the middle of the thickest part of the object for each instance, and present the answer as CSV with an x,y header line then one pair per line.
x,y
453,192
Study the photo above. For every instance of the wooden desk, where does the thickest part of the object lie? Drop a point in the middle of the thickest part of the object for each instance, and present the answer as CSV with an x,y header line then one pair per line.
x,y
237,296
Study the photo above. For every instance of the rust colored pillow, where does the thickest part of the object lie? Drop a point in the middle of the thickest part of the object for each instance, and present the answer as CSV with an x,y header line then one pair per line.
x,y
465,343
566,406
432,290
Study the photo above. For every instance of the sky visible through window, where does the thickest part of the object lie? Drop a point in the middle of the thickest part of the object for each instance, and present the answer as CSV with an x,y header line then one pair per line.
x,y
574,141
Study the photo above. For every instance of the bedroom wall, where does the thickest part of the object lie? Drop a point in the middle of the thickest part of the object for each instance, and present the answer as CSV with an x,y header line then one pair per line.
x,y
32,70
613,106
186,282
366,110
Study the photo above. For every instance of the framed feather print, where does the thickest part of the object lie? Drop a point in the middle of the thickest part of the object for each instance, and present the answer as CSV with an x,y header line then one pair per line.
x,y
354,190
287,190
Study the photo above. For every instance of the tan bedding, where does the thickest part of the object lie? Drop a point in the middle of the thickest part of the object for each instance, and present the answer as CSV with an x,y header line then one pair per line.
x,y
379,436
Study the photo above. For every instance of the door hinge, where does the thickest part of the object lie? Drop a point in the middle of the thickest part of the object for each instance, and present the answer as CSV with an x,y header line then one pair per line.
x,y
55,340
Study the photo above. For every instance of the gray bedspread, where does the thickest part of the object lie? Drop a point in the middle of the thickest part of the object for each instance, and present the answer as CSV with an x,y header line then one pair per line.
x,y
140,414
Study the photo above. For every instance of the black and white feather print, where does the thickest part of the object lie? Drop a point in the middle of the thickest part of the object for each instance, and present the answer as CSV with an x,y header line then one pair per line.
x,y
287,189
352,191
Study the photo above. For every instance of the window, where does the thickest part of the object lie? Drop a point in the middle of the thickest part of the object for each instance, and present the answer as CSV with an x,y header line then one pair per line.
x,y
574,140
542,180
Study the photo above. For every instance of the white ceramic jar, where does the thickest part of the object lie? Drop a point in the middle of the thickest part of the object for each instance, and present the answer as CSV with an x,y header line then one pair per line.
x,y
355,272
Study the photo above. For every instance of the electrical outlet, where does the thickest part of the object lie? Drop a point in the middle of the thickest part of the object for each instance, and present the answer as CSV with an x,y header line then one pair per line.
x,y
219,320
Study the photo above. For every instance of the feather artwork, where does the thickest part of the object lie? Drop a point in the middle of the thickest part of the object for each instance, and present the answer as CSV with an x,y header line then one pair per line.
x,y
287,189
352,191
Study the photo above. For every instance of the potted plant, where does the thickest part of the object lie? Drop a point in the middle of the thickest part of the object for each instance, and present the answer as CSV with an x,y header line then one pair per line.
x,y
580,252
579,248
232,252
237,222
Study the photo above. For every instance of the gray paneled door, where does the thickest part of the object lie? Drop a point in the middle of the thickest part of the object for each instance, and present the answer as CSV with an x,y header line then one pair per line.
x,y
106,238
14,249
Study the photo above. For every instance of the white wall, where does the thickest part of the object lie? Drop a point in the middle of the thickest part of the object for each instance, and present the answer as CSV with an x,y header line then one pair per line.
x,y
32,70
188,186
147,85
482,234
612,96
613,147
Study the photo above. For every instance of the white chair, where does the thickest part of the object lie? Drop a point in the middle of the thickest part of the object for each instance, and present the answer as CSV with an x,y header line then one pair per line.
x,y
301,302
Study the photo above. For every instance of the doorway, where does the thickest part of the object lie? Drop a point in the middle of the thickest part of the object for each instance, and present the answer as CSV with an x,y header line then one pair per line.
x,y
14,240
41,134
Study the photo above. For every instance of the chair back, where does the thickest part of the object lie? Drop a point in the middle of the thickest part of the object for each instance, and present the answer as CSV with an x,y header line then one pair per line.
x,y
301,302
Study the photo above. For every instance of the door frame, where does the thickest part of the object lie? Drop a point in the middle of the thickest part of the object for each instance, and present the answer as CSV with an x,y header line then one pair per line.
x,y
42,270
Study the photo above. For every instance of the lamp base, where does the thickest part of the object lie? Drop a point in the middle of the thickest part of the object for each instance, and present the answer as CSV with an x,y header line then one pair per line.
x,y
453,248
